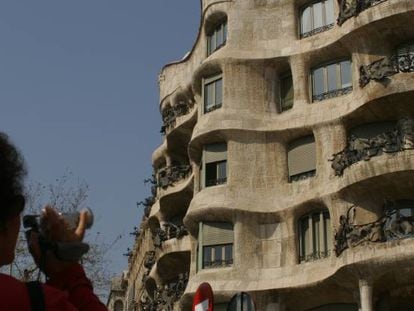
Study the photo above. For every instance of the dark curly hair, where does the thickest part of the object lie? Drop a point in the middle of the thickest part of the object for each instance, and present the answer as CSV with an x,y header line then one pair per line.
x,y
12,172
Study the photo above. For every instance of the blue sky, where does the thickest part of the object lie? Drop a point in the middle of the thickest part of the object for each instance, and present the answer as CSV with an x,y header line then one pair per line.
x,y
78,92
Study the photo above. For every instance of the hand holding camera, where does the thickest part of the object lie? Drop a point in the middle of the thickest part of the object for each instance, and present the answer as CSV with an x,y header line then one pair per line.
x,y
55,240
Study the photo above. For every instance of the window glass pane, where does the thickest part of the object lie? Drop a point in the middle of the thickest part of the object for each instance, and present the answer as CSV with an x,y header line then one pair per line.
x,y
332,80
316,233
213,42
306,22
304,228
208,96
207,254
286,93
219,92
209,50
228,253
318,82
329,12
218,254
225,31
346,78
317,15
221,171
219,36
328,231
211,174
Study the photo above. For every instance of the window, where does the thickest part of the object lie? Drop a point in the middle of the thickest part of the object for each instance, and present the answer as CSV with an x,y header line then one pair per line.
x,y
215,244
302,158
214,165
316,18
286,93
331,80
217,37
213,93
406,49
118,306
315,236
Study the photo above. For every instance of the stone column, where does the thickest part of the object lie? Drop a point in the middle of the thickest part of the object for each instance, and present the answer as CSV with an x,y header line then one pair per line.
x,y
365,294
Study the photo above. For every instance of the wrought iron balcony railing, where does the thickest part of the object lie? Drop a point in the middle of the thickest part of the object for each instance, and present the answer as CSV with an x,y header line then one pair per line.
x,y
386,67
396,222
169,175
331,94
170,115
316,31
351,8
358,149
165,296
169,231
215,182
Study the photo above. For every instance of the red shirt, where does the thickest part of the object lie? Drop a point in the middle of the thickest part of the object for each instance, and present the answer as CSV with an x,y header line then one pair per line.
x,y
69,291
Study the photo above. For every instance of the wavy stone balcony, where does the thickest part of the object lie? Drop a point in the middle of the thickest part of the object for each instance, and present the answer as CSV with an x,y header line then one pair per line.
x,y
171,175
166,295
352,8
171,116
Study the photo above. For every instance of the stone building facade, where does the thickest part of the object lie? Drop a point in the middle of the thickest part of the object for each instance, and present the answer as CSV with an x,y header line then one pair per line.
x,y
286,169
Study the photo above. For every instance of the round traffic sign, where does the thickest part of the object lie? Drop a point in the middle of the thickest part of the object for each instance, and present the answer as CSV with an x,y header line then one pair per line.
x,y
203,298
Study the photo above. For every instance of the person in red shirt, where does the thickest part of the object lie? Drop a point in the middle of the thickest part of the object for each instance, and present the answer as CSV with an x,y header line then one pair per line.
x,y
67,288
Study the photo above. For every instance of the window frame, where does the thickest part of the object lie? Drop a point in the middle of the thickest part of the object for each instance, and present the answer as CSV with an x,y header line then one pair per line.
x,y
220,27
307,240
212,80
340,90
305,174
281,79
203,167
225,263
324,27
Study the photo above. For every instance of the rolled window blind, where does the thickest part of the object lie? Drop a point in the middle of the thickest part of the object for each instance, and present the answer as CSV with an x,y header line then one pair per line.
x,y
215,152
302,155
216,233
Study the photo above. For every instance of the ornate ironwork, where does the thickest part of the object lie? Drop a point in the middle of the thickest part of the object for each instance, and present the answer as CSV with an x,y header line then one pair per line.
x,y
332,94
386,67
128,253
357,149
169,175
170,114
393,224
302,176
216,181
351,8
170,231
315,256
149,260
136,232
212,108
165,296
316,31
217,263
148,202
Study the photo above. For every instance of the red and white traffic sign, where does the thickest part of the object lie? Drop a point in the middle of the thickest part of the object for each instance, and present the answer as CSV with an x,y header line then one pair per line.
x,y
203,298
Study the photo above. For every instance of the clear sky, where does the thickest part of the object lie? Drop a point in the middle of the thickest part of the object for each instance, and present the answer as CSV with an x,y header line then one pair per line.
x,y
78,92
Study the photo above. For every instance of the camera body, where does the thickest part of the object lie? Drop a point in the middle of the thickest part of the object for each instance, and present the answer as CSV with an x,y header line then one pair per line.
x,y
65,251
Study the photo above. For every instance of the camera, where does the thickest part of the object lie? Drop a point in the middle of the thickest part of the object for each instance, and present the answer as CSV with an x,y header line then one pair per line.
x,y
65,251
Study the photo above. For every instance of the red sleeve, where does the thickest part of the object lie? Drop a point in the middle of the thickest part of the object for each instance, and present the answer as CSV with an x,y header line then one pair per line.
x,y
78,288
